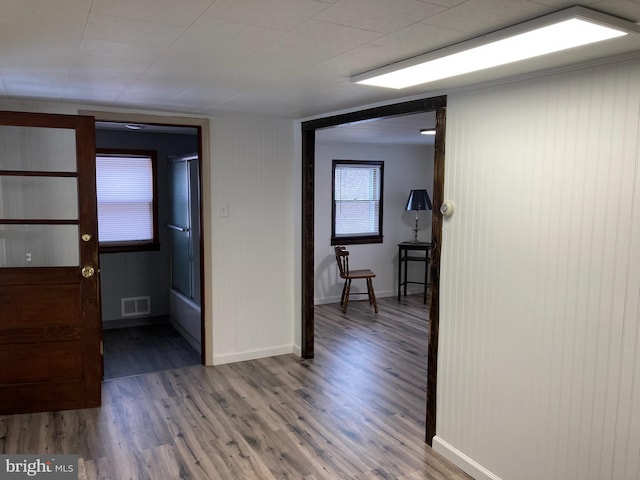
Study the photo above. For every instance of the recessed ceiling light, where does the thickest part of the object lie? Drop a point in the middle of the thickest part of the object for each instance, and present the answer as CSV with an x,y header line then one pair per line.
x,y
428,131
558,31
134,126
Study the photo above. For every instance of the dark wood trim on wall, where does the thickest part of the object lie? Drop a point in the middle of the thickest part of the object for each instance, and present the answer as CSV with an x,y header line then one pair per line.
x,y
437,104
434,272
308,202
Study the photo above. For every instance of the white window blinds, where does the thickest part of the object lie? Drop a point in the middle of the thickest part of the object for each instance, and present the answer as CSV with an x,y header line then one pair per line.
x,y
357,199
125,198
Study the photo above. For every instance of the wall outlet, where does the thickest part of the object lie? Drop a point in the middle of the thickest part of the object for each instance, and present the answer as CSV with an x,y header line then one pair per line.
x,y
224,210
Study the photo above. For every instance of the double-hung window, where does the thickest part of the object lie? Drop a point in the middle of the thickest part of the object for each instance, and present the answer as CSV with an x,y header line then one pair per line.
x,y
127,207
357,202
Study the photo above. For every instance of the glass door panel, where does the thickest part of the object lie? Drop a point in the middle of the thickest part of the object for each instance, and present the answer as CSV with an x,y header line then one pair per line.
x,y
180,194
39,246
41,198
39,210
37,149
181,262
180,228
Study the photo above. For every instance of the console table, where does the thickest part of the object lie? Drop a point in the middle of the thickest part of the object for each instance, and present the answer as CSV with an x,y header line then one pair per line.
x,y
407,253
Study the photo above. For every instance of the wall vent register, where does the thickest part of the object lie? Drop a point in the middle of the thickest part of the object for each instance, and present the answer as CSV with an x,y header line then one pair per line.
x,y
135,306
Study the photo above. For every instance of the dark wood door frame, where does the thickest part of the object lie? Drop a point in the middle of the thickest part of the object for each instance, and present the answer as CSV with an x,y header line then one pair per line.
x,y
437,104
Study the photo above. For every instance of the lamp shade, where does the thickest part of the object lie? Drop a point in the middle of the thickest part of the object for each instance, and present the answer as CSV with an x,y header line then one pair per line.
x,y
418,200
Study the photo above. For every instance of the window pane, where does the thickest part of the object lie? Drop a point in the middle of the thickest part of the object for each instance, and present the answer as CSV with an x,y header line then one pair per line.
x,y
125,198
357,183
357,195
121,222
359,218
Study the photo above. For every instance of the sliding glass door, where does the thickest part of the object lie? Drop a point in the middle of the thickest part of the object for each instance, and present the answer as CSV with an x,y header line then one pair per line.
x,y
184,228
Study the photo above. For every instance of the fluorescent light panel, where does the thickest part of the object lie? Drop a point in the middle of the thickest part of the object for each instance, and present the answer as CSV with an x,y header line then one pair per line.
x,y
566,29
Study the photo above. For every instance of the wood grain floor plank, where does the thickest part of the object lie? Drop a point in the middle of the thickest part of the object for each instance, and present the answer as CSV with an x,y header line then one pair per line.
x,y
355,411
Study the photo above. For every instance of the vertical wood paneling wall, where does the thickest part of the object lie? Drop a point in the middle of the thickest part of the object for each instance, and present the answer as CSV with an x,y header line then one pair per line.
x,y
539,366
252,168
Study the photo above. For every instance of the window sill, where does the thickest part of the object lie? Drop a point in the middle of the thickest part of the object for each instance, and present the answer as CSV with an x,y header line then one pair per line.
x,y
122,247
356,240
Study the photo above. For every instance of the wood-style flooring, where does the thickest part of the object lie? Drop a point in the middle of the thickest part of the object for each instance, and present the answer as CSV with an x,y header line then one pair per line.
x,y
135,350
356,411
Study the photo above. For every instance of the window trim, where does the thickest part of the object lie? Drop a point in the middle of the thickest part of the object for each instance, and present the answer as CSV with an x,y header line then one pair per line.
x,y
356,239
139,245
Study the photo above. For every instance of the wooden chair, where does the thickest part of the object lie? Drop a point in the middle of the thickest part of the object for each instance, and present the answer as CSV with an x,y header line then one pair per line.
x,y
342,257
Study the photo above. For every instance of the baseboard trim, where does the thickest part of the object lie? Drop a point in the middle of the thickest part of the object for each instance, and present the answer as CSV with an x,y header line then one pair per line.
x,y
327,300
191,340
252,354
135,322
455,456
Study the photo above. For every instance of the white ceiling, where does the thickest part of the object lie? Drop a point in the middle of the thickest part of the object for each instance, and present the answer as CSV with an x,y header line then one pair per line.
x,y
283,58
403,130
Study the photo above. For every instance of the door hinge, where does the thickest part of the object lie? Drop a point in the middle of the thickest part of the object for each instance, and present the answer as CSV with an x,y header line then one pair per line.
x,y
101,347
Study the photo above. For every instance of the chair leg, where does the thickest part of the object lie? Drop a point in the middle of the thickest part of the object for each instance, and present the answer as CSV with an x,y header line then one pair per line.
x,y
346,296
344,290
372,295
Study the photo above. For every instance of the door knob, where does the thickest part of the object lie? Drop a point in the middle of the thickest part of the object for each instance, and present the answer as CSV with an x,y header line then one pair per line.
x,y
87,271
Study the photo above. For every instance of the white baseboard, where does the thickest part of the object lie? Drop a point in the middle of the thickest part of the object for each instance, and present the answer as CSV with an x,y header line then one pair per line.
x,y
458,458
252,354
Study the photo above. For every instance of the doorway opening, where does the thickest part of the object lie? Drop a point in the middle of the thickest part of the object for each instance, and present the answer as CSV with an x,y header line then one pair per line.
x,y
151,299
435,104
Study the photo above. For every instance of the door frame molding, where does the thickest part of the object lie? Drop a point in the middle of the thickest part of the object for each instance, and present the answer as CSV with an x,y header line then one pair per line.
x,y
206,273
437,104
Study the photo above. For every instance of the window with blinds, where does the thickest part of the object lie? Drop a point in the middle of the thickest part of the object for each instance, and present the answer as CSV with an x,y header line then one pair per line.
x,y
357,202
125,183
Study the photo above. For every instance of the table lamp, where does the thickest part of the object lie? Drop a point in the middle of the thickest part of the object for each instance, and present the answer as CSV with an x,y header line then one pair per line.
x,y
418,200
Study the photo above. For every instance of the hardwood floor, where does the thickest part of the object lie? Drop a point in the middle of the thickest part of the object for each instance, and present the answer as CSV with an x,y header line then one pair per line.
x,y
136,350
356,411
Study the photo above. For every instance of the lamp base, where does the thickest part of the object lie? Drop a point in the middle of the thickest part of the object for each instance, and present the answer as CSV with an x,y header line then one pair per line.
x,y
415,236
415,231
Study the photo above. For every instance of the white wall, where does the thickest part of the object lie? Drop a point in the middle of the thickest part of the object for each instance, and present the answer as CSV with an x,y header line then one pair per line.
x,y
253,292
406,167
539,358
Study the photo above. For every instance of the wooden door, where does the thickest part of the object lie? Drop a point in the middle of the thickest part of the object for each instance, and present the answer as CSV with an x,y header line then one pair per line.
x,y
50,335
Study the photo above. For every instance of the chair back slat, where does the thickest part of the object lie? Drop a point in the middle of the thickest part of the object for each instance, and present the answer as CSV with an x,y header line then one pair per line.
x,y
342,257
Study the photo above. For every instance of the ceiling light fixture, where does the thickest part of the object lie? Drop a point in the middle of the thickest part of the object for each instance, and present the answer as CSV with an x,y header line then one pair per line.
x,y
569,28
134,126
428,131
